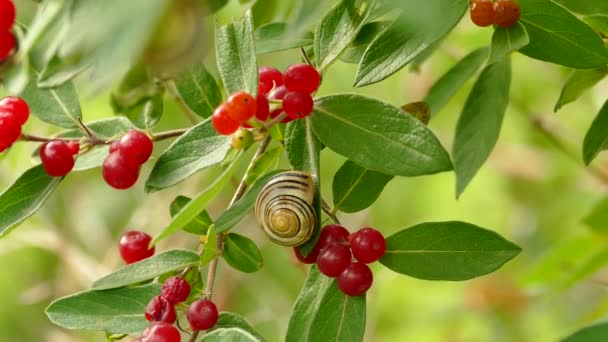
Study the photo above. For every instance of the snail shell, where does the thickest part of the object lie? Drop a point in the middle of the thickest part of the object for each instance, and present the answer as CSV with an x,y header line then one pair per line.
x,y
284,208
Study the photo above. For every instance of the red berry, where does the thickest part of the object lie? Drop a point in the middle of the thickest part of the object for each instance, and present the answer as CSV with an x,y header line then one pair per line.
x,y
222,121
310,259
482,12
57,158
332,233
263,108
159,309
161,332
17,106
7,43
269,78
7,14
297,104
368,245
302,77
74,147
176,289
10,129
133,246
356,279
333,259
202,314
241,106
136,147
118,172
114,146
507,13
278,93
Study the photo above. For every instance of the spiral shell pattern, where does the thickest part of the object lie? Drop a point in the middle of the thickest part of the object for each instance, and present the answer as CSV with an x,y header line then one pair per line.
x,y
284,208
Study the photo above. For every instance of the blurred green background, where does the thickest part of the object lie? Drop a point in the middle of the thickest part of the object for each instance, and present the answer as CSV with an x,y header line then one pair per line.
x,y
529,191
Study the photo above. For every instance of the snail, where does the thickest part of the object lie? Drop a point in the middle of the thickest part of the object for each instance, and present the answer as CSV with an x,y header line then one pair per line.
x,y
284,208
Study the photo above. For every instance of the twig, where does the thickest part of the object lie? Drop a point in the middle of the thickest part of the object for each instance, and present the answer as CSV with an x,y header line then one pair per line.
x,y
85,129
305,55
172,89
169,134
94,141
329,211
273,122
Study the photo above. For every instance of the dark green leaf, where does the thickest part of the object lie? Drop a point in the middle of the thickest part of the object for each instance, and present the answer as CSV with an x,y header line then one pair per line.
x,y
356,188
367,126
199,90
480,122
242,253
210,249
197,149
447,251
58,106
507,40
146,269
269,160
558,36
232,320
264,11
323,313
586,6
199,225
596,139
366,35
416,30
597,219
242,207
119,311
230,334
597,332
275,37
235,54
599,23
24,197
447,86
578,82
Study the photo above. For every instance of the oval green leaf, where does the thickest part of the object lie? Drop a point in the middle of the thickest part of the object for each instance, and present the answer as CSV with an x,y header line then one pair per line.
x,y
242,254
596,332
274,37
507,40
356,188
231,320
230,334
267,161
199,90
201,222
596,139
577,83
58,106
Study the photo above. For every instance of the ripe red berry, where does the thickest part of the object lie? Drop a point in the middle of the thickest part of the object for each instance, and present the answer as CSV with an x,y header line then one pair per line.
x,y
17,106
202,314
74,147
356,279
7,14
333,259
241,106
176,289
222,121
114,146
310,259
332,233
263,108
507,13
269,78
57,158
10,129
279,93
482,12
7,43
368,245
302,77
136,147
159,309
161,332
297,104
119,172
133,246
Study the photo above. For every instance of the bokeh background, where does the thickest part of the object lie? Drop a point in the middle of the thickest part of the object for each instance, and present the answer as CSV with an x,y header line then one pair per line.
x,y
532,191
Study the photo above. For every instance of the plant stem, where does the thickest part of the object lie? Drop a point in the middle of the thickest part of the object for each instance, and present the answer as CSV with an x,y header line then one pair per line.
x,y
329,211
305,55
240,191
85,129
94,141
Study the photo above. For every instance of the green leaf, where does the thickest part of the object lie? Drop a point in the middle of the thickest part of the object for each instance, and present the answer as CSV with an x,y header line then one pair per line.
x,y
269,160
586,6
578,82
235,214
558,36
409,36
447,251
197,149
149,268
599,23
356,188
214,5
119,311
597,219
199,225
242,254
368,126
323,313
338,28
235,54
58,71
197,204
597,332
210,249
24,197
58,106
366,35
596,139
230,334
199,90
264,11
447,86
232,320
507,40
275,37
480,122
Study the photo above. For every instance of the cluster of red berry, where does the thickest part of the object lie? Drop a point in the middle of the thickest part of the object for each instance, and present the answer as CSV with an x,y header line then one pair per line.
x,y
202,314
57,156
334,251
14,113
121,167
293,90
7,20
503,13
